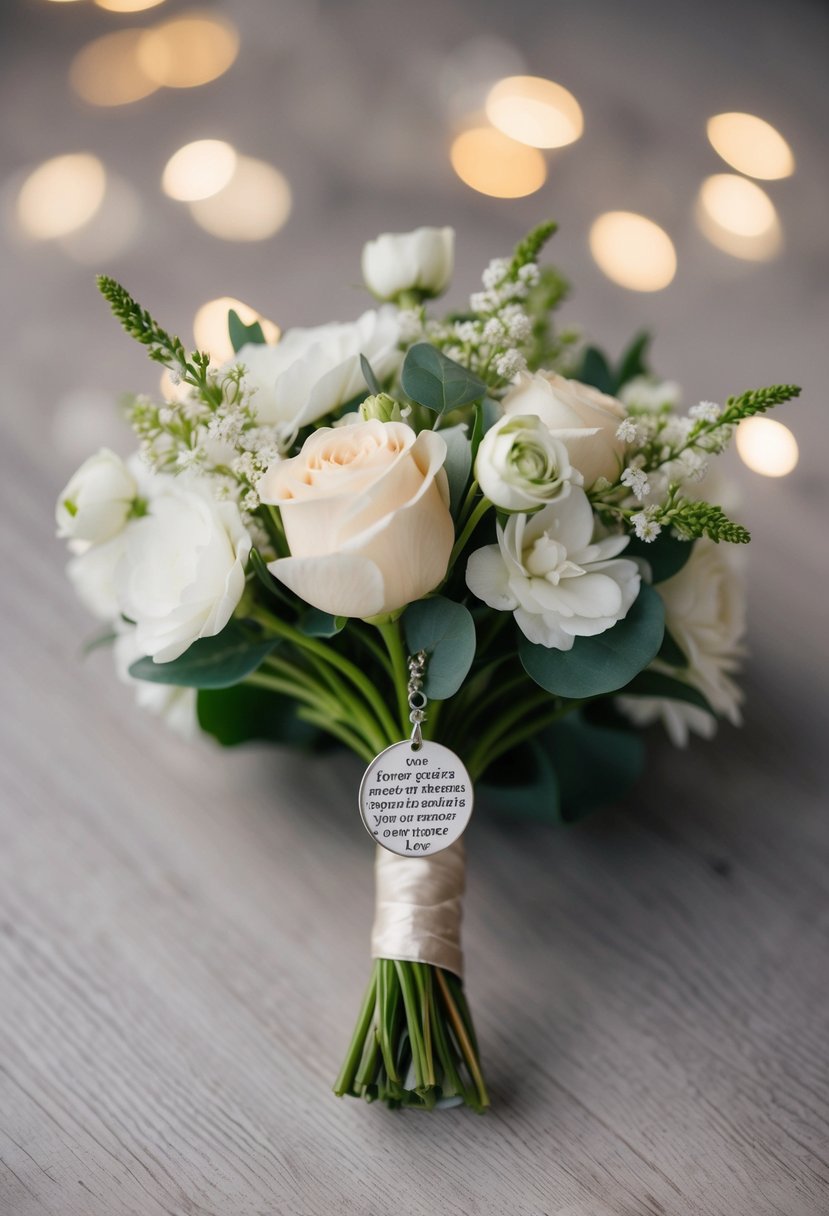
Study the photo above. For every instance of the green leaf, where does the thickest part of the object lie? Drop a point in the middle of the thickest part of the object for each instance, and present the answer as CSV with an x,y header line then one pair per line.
x,y
477,429
446,631
492,413
657,684
241,334
216,662
595,370
369,376
666,555
437,382
458,464
603,663
671,652
535,796
244,713
632,362
317,624
595,765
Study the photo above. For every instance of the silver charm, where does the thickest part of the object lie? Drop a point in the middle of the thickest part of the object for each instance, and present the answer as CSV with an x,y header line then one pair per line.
x,y
416,796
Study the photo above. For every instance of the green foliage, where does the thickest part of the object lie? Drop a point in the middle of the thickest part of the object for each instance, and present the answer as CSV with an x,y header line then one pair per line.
x,y
691,519
633,362
596,370
458,464
241,334
666,555
757,401
317,624
671,652
446,631
658,684
437,382
369,376
528,249
604,663
244,713
216,662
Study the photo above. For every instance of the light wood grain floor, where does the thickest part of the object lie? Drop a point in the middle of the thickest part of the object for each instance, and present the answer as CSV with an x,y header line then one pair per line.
x,y
184,932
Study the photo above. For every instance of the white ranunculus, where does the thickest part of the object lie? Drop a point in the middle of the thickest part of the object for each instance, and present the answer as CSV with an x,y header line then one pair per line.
x,y
176,706
94,573
521,465
420,261
558,582
311,372
366,515
584,419
705,614
650,393
96,502
183,569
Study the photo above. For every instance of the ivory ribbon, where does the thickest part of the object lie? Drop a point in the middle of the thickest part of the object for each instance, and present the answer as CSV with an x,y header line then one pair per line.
x,y
418,907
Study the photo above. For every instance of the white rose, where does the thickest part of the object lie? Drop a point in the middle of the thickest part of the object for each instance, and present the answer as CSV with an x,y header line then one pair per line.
x,y
95,504
584,419
94,573
558,583
311,372
176,706
183,570
521,465
366,515
420,261
705,614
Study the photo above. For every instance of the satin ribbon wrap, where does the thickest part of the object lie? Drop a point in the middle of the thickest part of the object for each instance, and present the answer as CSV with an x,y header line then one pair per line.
x,y
419,906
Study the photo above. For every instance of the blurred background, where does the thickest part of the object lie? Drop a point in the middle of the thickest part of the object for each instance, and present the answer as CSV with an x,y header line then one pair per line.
x,y
683,150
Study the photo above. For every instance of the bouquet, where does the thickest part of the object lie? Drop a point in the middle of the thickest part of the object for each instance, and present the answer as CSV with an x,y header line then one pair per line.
x,y
468,548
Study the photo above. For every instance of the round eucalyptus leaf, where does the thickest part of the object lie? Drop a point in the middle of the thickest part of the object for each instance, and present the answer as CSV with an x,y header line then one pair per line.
x,y
446,631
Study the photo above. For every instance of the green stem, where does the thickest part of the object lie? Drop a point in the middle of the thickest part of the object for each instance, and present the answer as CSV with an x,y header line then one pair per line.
x,y
470,526
345,1080
352,741
390,633
466,506
481,761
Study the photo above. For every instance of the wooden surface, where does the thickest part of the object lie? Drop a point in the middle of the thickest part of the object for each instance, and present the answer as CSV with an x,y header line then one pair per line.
x,y
184,932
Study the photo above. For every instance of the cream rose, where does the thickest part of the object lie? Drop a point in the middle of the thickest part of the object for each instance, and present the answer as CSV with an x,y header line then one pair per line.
x,y
311,372
584,419
366,515
420,261
95,505
521,465
705,614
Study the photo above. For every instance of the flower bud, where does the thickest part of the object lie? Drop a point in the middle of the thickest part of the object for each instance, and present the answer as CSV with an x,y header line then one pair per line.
x,y
419,263
380,407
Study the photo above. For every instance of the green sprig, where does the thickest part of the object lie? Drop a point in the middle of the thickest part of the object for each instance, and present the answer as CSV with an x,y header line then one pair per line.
x,y
527,250
757,401
691,519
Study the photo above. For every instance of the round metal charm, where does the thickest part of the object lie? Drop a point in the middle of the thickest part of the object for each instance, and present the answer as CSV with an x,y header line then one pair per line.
x,y
416,800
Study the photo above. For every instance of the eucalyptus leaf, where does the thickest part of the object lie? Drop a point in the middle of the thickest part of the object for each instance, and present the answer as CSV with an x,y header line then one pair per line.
x,y
535,795
241,334
659,684
216,662
437,382
317,624
458,464
595,765
369,376
492,413
446,631
604,663
671,652
666,555
271,584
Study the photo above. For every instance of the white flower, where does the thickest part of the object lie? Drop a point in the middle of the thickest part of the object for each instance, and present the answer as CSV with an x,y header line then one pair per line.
x,y
183,569
706,411
96,503
420,261
495,272
311,372
366,515
626,431
705,615
584,419
93,573
645,526
547,571
510,363
521,465
637,481
175,705
649,393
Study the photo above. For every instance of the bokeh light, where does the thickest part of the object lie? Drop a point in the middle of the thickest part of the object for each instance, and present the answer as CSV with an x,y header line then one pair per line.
x,y
189,50
535,111
492,163
61,195
113,229
751,145
633,251
767,446
210,326
198,170
739,217
107,72
253,205
127,6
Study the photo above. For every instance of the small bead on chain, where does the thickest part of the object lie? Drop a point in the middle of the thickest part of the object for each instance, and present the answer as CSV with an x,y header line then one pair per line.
x,y
416,696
